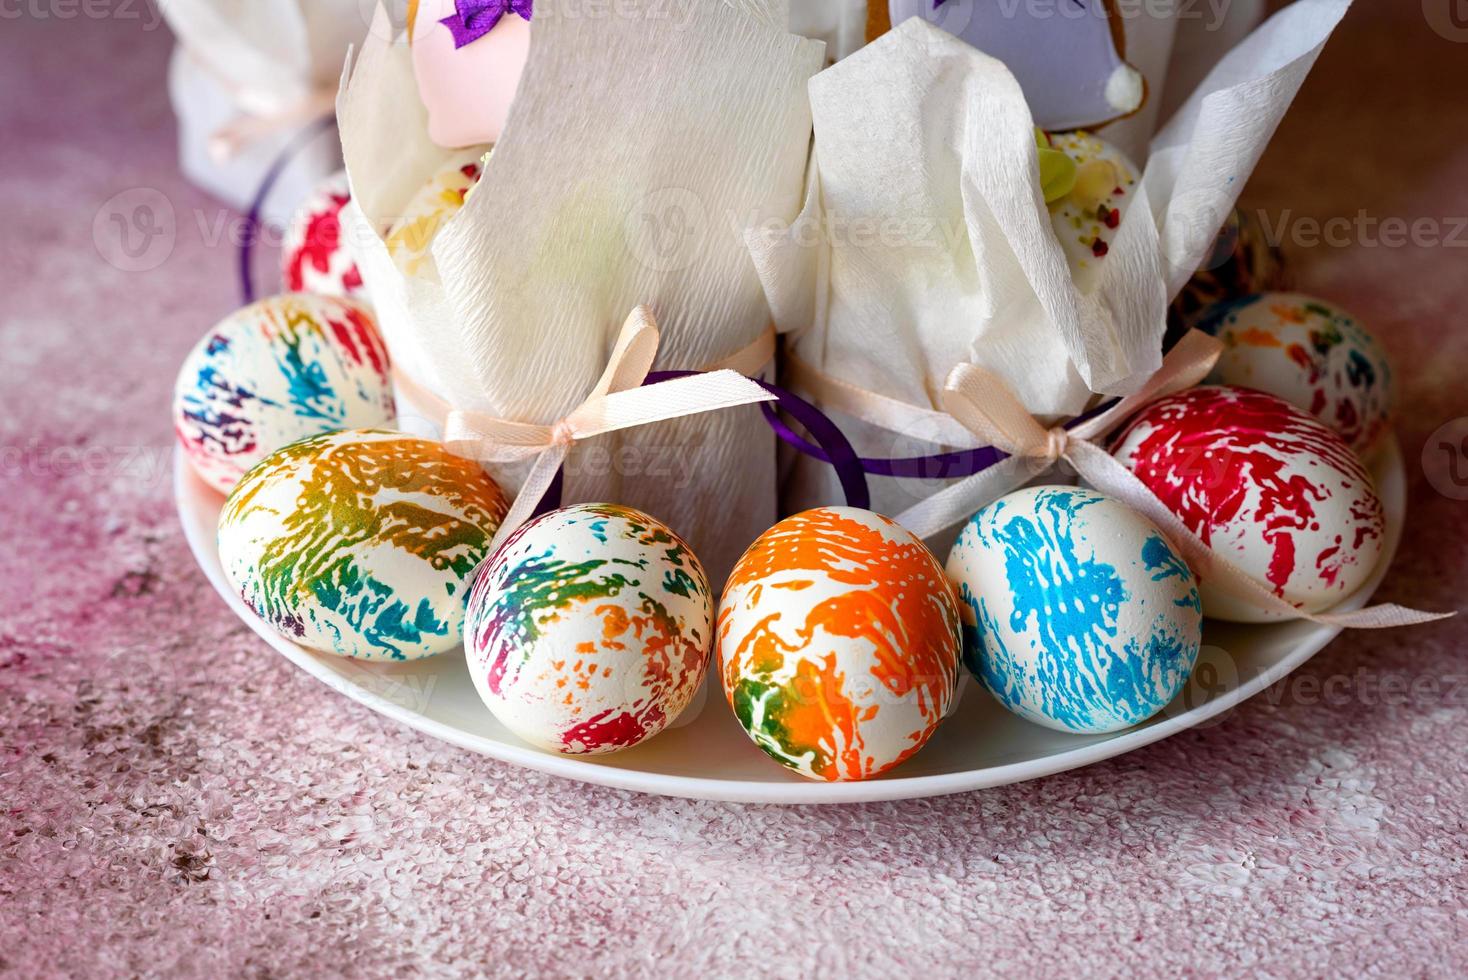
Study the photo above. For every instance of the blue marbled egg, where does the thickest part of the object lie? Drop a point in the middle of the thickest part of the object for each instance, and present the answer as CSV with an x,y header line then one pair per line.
x,y
1078,613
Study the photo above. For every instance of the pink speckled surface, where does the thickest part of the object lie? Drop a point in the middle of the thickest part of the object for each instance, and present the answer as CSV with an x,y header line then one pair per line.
x,y
179,800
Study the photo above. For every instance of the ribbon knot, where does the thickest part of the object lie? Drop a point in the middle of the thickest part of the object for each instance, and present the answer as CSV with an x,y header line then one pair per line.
x,y
618,400
981,401
1057,441
563,433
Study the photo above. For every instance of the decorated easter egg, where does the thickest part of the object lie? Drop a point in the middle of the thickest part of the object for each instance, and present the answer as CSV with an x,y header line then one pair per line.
x,y
412,235
314,254
1313,355
1087,217
286,367
361,543
838,643
1241,262
1267,486
590,629
1078,613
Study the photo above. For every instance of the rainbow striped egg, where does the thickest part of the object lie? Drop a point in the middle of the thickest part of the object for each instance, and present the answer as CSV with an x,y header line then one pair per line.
x,y
280,370
589,630
361,543
1313,355
839,643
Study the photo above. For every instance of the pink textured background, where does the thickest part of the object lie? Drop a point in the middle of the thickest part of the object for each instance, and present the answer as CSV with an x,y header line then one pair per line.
x,y
178,799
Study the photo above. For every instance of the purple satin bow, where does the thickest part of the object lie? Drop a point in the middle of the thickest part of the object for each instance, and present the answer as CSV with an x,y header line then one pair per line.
x,y
476,18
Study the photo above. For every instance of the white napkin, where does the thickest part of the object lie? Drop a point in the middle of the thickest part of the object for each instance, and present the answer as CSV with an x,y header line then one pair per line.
x,y
637,153
925,241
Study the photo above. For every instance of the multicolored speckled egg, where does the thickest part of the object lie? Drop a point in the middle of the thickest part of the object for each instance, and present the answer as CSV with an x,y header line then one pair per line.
x,y
1313,355
589,631
361,543
1080,616
1086,219
314,257
1241,263
285,368
839,643
412,234
1267,486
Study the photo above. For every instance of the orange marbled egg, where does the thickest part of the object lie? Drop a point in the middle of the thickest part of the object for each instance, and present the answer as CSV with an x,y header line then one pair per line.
x,y
839,643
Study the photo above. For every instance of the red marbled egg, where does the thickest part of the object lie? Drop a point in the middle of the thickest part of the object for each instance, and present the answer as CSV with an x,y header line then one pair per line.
x,y
1267,486
314,257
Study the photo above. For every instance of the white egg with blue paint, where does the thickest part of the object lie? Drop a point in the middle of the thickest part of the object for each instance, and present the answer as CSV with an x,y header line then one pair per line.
x,y
1078,614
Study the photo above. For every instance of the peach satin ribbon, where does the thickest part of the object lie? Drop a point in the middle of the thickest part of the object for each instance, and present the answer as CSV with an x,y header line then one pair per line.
x,y
261,115
980,401
619,400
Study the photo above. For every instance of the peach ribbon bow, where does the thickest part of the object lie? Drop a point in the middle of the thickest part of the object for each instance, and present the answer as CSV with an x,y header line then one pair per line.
x,y
618,401
981,401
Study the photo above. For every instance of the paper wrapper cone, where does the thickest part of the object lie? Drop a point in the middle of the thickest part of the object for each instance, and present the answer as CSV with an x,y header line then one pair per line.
x,y
270,53
1173,45
842,24
247,78
925,242
638,151
204,107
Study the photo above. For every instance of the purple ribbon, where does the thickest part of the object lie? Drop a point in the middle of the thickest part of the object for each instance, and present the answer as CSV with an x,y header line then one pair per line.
x,y
475,18
832,447
940,466
257,204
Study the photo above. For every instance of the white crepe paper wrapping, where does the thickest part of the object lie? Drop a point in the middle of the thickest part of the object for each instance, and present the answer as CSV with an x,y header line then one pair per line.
x,y
842,24
925,241
204,107
638,151
270,53
256,72
1173,45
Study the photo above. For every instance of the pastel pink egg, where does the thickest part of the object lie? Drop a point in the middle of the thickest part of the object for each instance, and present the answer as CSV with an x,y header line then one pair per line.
x,y
467,91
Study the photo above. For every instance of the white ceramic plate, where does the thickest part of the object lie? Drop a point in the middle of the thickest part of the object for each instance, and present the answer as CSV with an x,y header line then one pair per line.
x,y
709,757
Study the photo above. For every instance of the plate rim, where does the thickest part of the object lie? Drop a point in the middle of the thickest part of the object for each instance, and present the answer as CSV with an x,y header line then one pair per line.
x,y
188,490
